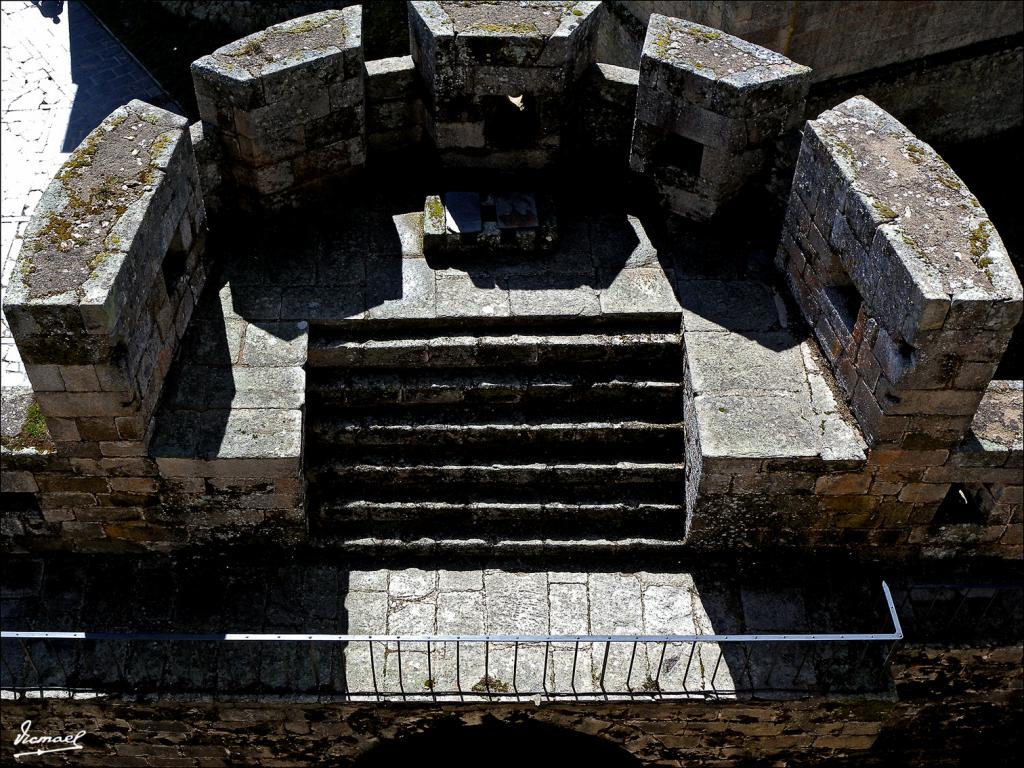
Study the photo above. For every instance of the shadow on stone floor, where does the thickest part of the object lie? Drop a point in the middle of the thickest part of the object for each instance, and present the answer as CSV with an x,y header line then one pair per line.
x,y
106,76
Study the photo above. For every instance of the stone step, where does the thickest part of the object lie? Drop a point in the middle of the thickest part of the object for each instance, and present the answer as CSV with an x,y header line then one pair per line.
x,y
651,401
608,482
643,350
393,439
495,519
429,548
430,387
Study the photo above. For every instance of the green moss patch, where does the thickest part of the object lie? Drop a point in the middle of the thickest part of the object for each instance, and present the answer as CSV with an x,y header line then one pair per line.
x,y
492,684
33,434
884,210
978,240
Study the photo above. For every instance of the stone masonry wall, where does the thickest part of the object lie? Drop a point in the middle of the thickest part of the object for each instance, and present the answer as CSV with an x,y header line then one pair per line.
x,y
709,109
394,108
912,299
921,61
844,38
105,288
292,733
604,117
473,58
901,274
288,105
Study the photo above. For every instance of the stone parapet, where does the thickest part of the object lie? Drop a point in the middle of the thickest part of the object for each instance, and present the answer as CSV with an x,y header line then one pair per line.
x,y
496,76
105,284
709,108
901,274
288,105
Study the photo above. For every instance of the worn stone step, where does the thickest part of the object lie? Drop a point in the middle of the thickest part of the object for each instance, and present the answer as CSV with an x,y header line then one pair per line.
x,y
419,387
652,401
598,482
430,548
646,349
396,439
410,519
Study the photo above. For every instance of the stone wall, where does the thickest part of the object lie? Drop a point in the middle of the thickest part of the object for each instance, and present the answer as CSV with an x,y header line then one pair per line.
x,y
105,287
840,39
292,733
921,61
497,78
912,308
709,109
604,118
912,299
394,108
955,704
288,106
384,32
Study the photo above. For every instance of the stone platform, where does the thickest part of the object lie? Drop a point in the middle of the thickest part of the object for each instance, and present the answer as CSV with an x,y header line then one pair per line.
x,y
366,263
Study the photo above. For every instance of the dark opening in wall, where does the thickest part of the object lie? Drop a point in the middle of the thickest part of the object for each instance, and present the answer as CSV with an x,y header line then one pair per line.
x,y
960,507
173,266
497,744
676,151
846,301
511,122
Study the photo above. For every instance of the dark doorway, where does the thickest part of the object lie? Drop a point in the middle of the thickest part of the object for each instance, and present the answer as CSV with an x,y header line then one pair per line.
x,y
498,745
511,122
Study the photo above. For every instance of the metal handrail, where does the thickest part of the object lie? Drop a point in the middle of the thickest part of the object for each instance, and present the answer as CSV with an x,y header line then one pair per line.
x,y
896,634
606,682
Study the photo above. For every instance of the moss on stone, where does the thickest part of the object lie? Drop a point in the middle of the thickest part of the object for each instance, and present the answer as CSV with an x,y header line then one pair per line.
x,y
308,25
519,28
163,141
703,35
884,210
98,259
978,240
917,154
435,210
492,684
251,47
33,433
56,232
81,158
949,182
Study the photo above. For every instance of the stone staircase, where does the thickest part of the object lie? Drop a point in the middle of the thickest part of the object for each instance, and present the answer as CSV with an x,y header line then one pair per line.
x,y
569,434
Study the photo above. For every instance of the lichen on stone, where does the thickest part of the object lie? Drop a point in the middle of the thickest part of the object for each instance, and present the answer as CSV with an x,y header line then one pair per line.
x,y
508,29
94,189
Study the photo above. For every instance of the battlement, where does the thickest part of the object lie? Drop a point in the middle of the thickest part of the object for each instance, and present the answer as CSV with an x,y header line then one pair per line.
x,y
576,352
